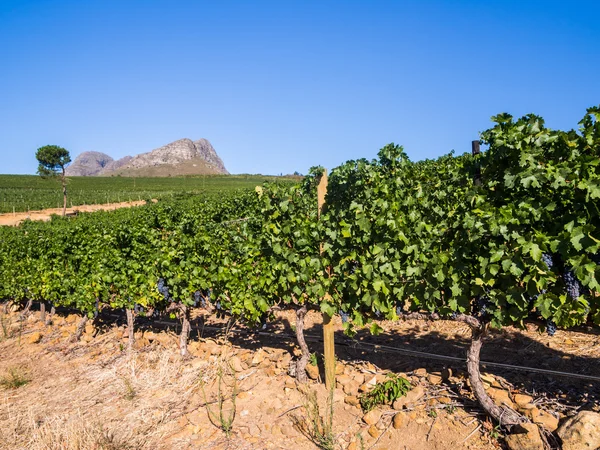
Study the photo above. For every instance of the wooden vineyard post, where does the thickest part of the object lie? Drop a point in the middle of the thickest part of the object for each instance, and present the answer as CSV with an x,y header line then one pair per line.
x,y
475,150
328,336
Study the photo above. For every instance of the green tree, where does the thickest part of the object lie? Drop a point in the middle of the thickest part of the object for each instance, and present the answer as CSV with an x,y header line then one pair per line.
x,y
53,161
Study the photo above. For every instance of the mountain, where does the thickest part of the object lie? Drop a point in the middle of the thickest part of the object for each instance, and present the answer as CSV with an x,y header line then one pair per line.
x,y
89,163
182,157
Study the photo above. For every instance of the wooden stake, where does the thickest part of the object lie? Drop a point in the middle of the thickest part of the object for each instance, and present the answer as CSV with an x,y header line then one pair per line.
x,y
476,150
328,335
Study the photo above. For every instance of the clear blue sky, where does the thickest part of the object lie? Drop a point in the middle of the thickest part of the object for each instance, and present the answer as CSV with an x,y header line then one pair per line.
x,y
279,86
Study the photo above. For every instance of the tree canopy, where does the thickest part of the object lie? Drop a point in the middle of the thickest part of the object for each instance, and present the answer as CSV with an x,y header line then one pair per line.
x,y
52,160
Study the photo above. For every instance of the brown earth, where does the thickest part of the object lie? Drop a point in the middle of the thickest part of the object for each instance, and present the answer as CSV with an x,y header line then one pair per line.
x,y
94,395
15,219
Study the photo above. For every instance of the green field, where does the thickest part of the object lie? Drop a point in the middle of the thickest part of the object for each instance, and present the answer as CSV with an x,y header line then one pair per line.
x,y
31,192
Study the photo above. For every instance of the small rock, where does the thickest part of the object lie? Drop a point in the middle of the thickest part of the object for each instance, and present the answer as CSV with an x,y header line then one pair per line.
x,y
501,397
398,420
522,399
339,368
243,395
258,357
351,400
411,397
284,361
372,417
352,388
312,371
490,379
343,380
434,379
374,432
290,382
352,446
359,378
444,400
72,318
528,439
368,385
236,364
581,432
422,372
34,338
545,419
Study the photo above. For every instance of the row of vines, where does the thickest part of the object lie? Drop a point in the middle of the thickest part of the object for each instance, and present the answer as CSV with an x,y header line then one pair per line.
x,y
505,237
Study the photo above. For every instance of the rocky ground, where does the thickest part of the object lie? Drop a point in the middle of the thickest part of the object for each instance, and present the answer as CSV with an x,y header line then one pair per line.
x,y
234,391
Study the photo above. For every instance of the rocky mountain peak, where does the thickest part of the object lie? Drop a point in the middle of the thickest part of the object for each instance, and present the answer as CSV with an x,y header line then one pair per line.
x,y
182,157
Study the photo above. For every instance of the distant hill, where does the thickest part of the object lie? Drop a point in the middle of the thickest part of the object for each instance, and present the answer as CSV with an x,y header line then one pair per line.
x,y
182,157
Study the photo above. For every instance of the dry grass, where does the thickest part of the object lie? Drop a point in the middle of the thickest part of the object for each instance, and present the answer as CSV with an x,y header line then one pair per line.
x,y
121,402
15,377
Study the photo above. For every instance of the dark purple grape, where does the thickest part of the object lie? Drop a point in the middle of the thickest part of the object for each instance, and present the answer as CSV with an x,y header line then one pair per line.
x,y
163,289
344,315
572,284
550,327
547,259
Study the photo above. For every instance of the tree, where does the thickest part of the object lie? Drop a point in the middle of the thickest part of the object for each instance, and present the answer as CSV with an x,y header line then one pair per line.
x,y
53,161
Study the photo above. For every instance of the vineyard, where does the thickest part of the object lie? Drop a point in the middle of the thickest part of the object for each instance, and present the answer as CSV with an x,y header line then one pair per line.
x,y
506,237
23,193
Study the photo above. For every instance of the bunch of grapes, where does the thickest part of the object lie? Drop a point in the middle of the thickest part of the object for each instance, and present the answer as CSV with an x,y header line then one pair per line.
x,y
482,307
550,327
199,298
345,316
163,289
547,259
138,309
220,311
572,284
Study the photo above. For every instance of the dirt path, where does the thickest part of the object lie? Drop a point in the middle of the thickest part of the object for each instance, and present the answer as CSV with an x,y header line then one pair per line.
x,y
15,219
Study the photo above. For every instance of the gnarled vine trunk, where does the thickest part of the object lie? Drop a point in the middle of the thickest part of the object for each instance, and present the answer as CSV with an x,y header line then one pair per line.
x,y
25,312
50,317
504,415
80,329
185,330
303,361
43,311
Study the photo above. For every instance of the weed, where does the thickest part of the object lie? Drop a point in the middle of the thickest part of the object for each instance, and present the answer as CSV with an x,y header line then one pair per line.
x,y
450,409
432,413
312,359
15,378
315,427
223,419
361,441
130,392
4,327
385,392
